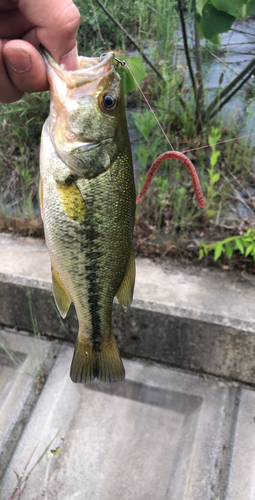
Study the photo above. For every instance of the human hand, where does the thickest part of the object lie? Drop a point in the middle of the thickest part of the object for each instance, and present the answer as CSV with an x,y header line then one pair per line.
x,y
24,25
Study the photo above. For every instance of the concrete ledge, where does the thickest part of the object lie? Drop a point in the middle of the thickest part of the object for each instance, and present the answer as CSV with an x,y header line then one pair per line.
x,y
192,319
28,304
162,335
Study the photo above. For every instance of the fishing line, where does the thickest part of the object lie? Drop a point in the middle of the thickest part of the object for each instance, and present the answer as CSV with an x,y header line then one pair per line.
x,y
147,102
221,142
175,154
186,150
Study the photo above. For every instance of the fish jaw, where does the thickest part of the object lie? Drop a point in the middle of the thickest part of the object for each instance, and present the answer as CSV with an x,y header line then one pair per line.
x,y
85,135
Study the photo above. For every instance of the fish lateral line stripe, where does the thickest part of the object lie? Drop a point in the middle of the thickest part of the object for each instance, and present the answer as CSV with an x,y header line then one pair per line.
x,y
176,155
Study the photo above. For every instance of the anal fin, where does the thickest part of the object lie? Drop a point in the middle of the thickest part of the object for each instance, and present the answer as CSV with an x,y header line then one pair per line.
x,y
61,296
104,364
126,289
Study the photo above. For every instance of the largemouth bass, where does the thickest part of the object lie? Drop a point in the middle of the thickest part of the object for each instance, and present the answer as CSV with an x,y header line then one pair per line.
x,y
88,206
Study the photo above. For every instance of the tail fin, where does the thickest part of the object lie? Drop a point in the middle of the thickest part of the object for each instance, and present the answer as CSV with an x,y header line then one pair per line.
x,y
88,364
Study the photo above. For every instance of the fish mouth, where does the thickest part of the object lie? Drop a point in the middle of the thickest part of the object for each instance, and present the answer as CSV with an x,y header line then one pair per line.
x,y
90,69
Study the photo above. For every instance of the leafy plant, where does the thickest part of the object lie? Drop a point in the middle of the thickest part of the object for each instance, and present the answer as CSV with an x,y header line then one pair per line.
x,y
137,67
214,177
217,16
213,17
244,244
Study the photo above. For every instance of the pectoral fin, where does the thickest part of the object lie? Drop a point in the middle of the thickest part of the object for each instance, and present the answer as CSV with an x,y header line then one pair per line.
x,y
126,289
71,200
61,296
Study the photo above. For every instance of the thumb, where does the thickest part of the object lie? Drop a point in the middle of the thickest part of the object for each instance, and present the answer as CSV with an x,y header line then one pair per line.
x,y
55,27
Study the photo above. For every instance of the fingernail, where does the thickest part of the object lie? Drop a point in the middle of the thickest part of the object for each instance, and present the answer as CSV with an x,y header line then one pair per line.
x,y
70,60
18,59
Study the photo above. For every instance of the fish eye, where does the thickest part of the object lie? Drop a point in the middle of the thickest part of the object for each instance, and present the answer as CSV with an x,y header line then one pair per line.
x,y
109,102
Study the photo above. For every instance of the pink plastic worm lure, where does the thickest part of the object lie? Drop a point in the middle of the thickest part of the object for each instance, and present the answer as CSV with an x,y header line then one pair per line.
x,y
176,155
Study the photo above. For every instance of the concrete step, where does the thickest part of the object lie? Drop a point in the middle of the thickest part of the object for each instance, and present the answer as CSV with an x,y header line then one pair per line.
x,y
190,318
161,434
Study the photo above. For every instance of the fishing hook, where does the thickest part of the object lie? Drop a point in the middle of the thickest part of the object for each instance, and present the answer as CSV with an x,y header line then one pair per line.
x,y
122,63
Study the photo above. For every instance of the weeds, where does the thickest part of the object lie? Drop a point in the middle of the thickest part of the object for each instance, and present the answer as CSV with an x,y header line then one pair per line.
x,y
244,244
214,177
22,479
36,365
20,128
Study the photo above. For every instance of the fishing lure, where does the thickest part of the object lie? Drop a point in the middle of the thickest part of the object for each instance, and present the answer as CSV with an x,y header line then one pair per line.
x,y
176,155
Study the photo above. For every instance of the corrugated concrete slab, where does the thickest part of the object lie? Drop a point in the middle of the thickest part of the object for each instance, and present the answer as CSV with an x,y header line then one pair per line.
x,y
194,319
241,480
24,363
161,434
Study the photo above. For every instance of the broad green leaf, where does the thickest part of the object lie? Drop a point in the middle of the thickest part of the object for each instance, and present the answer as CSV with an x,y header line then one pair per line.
x,y
218,251
213,139
138,69
215,21
248,250
200,5
229,250
216,39
236,8
251,8
227,240
210,213
215,178
239,245
201,253
214,158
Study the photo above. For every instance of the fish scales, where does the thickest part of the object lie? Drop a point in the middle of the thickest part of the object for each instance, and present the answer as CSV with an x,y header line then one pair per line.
x,y
88,222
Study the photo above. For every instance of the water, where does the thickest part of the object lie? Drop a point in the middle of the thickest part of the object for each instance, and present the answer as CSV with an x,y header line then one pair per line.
x,y
236,51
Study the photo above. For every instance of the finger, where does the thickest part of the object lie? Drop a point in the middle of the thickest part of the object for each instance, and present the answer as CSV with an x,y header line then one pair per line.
x,y
56,25
8,91
8,5
25,66
69,60
13,24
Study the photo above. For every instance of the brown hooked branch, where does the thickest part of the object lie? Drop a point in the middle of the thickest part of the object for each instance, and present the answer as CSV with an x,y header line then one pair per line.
x,y
106,11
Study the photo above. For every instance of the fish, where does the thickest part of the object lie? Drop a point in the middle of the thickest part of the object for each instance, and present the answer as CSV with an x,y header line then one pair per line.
x,y
87,199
